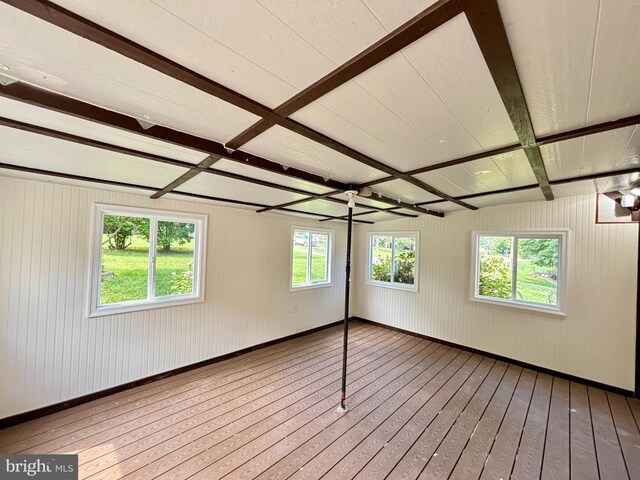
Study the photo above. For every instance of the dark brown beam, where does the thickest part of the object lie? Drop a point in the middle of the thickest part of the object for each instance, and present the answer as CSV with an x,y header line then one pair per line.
x,y
423,23
206,163
51,173
563,181
590,130
192,169
488,29
76,108
80,26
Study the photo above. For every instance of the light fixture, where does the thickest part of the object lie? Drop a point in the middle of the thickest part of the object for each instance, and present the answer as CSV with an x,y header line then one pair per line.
x,y
351,194
636,191
365,192
627,201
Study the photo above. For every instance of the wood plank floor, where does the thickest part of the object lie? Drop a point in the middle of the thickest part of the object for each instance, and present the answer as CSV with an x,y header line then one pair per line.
x,y
417,409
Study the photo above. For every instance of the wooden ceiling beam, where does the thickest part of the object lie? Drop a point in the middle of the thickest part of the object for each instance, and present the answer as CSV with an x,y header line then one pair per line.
x,y
59,103
562,181
403,36
102,181
67,20
489,31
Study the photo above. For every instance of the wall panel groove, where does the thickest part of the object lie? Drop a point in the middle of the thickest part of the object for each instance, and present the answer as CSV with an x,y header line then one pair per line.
x,y
51,352
595,341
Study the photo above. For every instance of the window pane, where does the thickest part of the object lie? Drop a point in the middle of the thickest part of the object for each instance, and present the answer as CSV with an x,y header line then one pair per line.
x,y
381,258
319,251
495,259
538,270
125,259
174,258
405,261
300,257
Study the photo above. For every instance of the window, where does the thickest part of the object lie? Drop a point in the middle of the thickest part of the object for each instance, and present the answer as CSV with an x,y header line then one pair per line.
x,y
310,258
145,259
525,270
393,260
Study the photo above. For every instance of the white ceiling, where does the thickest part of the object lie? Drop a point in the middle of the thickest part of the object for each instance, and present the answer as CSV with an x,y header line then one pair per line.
x,y
431,102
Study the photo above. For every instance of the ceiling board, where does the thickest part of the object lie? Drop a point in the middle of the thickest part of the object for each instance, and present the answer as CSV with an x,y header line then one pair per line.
x,y
608,151
73,182
37,151
433,101
487,174
289,148
252,172
533,195
401,190
615,87
215,186
44,55
393,14
187,198
600,185
445,207
552,44
42,117
377,217
326,208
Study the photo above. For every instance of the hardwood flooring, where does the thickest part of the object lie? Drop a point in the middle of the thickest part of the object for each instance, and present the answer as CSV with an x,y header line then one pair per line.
x,y
417,409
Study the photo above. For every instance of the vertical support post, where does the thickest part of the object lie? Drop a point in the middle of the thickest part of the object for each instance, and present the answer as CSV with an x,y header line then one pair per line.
x,y
637,383
343,408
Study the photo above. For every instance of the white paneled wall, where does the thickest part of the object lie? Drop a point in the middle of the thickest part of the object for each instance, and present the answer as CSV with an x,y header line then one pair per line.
x,y
595,341
50,351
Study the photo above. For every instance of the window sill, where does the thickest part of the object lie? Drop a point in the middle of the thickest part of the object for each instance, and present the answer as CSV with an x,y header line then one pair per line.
x,y
521,306
116,309
310,286
394,286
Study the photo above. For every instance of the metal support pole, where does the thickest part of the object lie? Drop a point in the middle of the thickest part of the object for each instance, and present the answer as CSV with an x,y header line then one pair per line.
x,y
343,408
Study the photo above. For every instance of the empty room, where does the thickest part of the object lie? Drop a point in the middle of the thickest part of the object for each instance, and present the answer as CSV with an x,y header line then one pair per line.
x,y
340,239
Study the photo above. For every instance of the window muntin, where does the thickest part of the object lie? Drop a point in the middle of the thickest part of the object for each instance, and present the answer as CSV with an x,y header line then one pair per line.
x,y
310,258
523,269
393,260
145,259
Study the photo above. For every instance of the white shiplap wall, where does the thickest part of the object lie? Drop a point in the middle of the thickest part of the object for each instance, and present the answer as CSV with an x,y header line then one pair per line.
x,y
50,351
595,341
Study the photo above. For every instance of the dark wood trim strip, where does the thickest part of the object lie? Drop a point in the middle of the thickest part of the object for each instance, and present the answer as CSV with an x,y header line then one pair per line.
x,y
59,103
56,15
563,181
412,30
206,163
489,31
81,178
548,371
69,21
48,410
590,130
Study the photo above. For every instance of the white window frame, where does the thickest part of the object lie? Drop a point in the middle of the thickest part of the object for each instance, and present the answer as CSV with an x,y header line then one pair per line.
x,y
560,235
392,284
154,216
329,259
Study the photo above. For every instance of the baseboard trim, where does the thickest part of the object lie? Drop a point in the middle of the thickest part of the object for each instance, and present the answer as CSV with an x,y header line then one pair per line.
x,y
566,376
74,402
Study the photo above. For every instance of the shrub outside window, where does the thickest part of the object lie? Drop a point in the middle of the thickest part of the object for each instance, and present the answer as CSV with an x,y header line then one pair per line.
x,y
145,259
393,260
310,258
521,269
